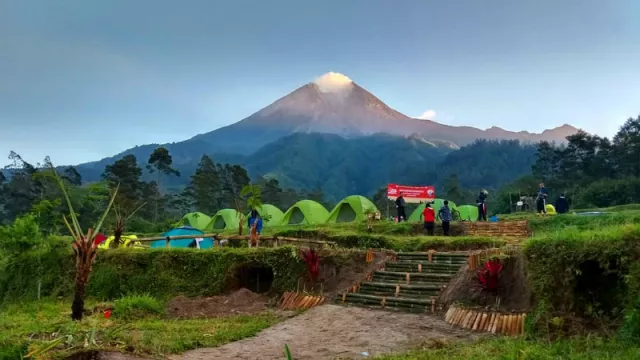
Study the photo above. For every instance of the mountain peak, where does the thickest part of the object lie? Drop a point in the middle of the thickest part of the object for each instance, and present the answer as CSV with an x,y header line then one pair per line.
x,y
333,82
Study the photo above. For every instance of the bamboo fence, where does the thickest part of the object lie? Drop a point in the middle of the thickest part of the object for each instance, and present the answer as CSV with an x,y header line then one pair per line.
x,y
299,301
276,240
505,229
484,321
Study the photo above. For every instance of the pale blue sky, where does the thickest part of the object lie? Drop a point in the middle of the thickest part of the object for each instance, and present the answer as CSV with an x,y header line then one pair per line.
x,y
81,80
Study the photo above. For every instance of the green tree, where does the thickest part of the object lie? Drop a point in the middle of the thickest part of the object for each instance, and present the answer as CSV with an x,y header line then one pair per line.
x,y
72,176
160,162
204,189
126,174
627,147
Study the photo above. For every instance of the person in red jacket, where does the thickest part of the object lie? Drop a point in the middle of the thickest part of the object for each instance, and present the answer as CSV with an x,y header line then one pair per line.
x,y
429,216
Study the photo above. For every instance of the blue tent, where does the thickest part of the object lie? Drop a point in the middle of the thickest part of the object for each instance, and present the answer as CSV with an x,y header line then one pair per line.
x,y
207,243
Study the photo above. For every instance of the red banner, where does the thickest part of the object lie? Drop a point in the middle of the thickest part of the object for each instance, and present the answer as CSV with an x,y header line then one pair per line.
x,y
411,193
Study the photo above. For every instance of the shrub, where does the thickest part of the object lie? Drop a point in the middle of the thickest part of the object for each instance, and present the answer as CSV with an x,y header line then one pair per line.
x,y
137,306
584,272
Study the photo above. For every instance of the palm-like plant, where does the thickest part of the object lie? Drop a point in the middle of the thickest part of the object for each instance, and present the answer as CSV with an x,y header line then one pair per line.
x,y
84,248
120,224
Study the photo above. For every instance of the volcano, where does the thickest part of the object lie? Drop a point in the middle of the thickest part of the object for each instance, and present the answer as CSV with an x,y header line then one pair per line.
x,y
334,104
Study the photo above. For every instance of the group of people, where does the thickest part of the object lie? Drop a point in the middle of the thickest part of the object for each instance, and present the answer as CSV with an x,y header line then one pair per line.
x,y
561,205
445,215
428,214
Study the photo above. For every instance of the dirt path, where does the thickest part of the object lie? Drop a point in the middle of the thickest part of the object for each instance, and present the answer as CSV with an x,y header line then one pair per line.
x,y
330,332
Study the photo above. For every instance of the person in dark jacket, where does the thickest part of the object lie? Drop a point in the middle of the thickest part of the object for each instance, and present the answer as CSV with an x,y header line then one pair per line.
x,y
562,205
400,208
541,200
481,201
445,216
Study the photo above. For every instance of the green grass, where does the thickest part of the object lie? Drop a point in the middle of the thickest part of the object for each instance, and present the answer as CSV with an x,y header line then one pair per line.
x,y
137,306
520,349
33,324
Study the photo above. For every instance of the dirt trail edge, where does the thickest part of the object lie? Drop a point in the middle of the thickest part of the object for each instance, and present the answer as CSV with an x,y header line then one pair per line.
x,y
330,332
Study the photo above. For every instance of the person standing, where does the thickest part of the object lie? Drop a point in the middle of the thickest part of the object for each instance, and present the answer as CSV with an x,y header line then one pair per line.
x,y
400,204
562,205
445,216
255,228
541,201
481,201
429,217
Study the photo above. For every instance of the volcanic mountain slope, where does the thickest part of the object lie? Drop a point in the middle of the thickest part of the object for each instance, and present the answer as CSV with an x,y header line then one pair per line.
x,y
332,104
336,105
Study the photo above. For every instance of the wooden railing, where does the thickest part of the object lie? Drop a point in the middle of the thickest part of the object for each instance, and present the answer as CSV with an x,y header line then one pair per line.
x,y
217,238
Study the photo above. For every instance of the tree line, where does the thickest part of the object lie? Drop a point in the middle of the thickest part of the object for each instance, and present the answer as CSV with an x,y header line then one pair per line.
x,y
31,189
591,170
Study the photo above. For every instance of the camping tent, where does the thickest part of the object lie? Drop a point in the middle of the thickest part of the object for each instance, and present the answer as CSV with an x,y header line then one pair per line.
x,y
468,212
271,215
352,208
126,242
551,210
206,243
305,212
225,219
196,220
416,215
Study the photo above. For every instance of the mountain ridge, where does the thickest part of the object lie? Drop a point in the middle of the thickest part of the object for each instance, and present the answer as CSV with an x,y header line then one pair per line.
x,y
333,104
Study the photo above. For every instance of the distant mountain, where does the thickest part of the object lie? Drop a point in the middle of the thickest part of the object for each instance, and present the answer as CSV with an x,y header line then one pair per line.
x,y
333,104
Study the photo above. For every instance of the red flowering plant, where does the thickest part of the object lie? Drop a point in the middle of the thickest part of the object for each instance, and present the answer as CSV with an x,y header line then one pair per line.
x,y
311,259
489,274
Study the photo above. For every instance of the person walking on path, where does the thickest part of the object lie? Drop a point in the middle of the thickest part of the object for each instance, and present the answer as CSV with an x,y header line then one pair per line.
x,y
562,205
481,201
445,216
400,208
429,217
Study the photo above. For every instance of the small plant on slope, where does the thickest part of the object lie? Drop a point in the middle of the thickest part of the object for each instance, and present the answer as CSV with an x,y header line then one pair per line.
x,y
84,247
489,274
312,260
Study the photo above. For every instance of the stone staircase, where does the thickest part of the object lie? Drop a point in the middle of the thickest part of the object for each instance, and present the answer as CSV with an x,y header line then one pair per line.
x,y
410,283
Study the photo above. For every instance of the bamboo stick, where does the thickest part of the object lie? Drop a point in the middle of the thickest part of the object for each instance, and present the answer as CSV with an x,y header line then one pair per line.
x,y
447,314
469,322
498,326
433,305
453,317
462,313
477,322
492,323
524,318
483,322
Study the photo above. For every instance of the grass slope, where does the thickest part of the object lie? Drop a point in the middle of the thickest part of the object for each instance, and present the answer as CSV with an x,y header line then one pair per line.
x,y
32,324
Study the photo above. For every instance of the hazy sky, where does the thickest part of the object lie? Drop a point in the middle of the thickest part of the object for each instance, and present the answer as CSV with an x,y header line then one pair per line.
x,y
81,80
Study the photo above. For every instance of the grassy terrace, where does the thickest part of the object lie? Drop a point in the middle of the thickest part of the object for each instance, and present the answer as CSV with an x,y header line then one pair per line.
x,y
520,349
33,324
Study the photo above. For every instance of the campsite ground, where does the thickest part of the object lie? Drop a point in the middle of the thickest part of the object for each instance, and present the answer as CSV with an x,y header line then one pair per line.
x,y
325,332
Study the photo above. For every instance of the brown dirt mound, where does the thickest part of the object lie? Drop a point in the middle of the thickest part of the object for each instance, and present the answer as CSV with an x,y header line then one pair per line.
x,y
242,301
514,293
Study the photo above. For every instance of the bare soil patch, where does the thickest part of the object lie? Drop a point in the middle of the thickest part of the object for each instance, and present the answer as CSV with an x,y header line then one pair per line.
x,y
240,302
336,332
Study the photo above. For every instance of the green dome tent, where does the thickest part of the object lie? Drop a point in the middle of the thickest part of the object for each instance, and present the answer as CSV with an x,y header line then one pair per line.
x,y
416,215
196,220
271,215
225,219
352,208
305,212
468,212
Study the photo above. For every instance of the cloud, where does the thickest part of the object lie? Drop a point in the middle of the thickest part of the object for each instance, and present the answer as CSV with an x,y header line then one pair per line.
x,y
333,82
427,115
